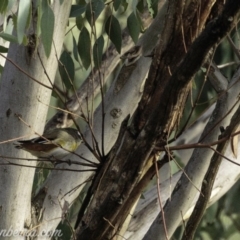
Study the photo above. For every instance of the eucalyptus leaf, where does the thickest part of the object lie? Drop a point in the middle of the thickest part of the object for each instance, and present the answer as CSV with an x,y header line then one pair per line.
x,y
98,51
8,37
3,49
67,71
29,18
116,4
75,49
77,10
141,6
45,5
84,47
80,2
80,22
3,6
113,30
23,15
93,10
133,27
47,27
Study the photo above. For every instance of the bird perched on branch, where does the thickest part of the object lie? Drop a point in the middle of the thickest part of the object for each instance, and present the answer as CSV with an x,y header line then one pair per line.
x,y
57,143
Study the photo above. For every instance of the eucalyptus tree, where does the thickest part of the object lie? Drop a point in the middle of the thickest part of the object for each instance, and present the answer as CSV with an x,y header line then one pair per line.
x,y
130,76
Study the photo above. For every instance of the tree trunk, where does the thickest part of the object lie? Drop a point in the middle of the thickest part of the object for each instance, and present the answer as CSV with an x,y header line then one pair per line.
x,y
23,109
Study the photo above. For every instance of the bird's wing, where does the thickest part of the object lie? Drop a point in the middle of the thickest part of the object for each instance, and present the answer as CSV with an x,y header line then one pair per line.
x,y
36,146
40,140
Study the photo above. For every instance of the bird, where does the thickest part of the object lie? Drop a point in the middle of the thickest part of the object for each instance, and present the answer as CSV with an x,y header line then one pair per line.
x,y
56,143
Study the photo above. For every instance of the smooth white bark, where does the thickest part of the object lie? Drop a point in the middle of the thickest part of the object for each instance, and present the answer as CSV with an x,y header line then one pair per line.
x,y
21,96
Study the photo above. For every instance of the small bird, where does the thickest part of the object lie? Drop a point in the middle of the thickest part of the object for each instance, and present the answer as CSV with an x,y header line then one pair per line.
x,y
57,143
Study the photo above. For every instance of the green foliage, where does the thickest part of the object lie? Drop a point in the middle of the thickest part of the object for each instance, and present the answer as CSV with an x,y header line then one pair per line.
x,y
75,49
113,30
98,51
93,10
116,4
80,2
133,27
77,10
3,6
84,47
8,37
3,49
220,221
23,18
66,69
141,6
47,27
80,21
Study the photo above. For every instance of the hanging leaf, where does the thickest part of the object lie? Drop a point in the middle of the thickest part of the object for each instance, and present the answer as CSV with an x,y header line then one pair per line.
x,y
8,37
98,51
116,4
3,49
133,27
23,15
113,30
139,19
84,47
29,19
45,5
141,6
67,71
75,49
47,27
77,10
80,22
80,2
3,6
93,10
